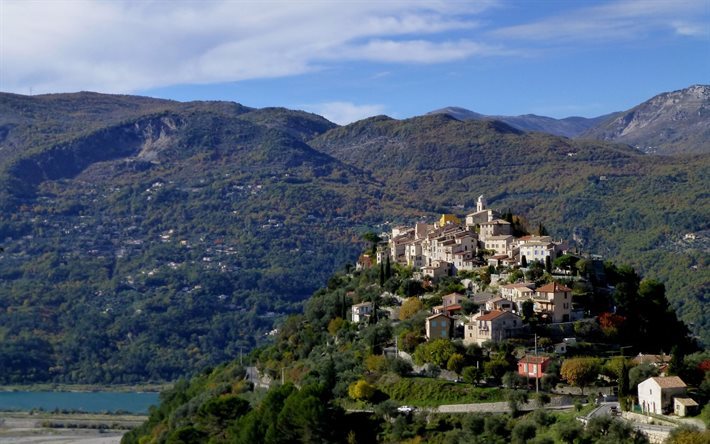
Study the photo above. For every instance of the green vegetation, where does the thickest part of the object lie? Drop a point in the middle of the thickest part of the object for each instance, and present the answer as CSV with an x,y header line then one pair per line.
x,y
337,372
148,239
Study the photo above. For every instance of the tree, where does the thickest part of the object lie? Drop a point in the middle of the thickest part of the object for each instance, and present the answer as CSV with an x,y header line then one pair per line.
x,y
528,310
382,274
542,399
436,352
361,390
410,307
472,375
523,261
541,230
373,238
569,431
580,371
516,399
687,434
523,432
455,363
548,264
388,268
496,367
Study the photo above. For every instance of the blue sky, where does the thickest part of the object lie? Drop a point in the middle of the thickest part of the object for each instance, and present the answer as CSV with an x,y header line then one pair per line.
x,y
351,59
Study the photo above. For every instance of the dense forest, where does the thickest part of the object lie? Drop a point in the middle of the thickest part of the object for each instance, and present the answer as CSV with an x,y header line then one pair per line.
x,y
335,381
146,239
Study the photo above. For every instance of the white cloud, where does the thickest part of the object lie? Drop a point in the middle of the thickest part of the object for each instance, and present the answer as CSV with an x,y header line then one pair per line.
x,y
343,113
620,19
124,46
418,51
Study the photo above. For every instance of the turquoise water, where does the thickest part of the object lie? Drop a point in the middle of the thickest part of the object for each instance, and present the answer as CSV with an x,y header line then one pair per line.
x,y
91,402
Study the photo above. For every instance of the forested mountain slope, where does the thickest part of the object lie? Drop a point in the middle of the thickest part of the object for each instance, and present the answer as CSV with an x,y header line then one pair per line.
x,y
145,239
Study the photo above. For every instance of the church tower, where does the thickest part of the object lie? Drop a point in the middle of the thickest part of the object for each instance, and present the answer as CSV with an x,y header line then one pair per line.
x,y
481,203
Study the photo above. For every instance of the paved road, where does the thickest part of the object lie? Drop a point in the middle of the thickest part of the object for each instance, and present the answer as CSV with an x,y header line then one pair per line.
x,y
493,407
605,408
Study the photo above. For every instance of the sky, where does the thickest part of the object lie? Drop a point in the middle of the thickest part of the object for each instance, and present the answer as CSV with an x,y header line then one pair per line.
x,y
351,59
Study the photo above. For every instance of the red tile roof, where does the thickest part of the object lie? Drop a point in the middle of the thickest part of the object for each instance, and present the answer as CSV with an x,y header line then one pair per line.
x,y
491,315
553,287
669,382
534,359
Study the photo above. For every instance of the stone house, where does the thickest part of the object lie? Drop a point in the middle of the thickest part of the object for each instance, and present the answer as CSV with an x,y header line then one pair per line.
x,y
554,301
494,326
439,326
655,395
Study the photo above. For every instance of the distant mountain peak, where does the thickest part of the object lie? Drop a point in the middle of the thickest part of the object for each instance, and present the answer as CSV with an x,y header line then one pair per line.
x,y
668,123
567,127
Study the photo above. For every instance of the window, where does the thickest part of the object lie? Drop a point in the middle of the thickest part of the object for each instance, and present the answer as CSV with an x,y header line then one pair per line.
x,y
433,323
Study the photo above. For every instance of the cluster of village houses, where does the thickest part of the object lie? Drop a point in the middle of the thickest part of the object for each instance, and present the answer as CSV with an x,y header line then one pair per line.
x,y
444,248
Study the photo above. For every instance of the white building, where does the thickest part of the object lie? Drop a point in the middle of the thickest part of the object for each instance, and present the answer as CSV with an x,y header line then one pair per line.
x,y
656,394
361,311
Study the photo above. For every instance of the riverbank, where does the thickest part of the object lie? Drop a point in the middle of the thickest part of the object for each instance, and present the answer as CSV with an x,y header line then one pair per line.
x,y
82,428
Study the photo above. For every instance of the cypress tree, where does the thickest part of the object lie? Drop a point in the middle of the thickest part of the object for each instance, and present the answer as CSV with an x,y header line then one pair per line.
x,y
388,268
382,274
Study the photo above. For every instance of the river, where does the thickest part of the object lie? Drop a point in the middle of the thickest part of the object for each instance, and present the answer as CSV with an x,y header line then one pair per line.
x,y
90,402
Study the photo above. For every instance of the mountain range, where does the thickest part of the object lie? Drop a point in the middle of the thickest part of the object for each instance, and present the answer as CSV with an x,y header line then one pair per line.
x,y
145,239
669,123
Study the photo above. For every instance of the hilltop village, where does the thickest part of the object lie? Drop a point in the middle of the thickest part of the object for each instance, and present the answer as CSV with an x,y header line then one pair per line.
x,y
514,289
467,330
484,240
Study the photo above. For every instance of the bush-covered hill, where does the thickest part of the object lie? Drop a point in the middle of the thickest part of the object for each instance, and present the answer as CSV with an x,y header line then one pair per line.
x,y
145,239
334,381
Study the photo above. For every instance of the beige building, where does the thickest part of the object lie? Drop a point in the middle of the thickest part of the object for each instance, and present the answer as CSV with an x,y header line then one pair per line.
x,y
491,326
554,301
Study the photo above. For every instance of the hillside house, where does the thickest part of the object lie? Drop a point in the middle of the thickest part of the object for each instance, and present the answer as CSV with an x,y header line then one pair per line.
x,y
453,299
361,312
448,310
656,394
439,326
437,270
496,227
661,362
501,304
501,244
491,326
553,301
533,366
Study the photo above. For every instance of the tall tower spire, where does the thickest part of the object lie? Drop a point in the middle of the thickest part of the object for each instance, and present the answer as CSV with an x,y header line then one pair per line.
x,y
481,203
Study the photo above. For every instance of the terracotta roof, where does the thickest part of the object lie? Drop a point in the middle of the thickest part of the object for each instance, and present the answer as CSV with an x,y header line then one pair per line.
x,y
453,307
688,402
553,287
669,382
534,359
491,315
651,359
